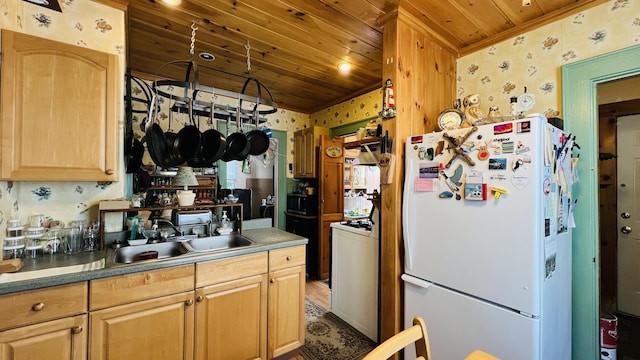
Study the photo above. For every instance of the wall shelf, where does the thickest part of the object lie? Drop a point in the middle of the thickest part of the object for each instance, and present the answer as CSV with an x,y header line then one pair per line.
x,y
362,142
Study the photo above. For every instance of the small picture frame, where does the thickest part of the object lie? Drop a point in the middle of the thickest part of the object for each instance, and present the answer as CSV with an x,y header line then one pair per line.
x,y
477,192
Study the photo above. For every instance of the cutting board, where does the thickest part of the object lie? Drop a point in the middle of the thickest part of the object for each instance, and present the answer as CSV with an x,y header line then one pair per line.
x,y
11,265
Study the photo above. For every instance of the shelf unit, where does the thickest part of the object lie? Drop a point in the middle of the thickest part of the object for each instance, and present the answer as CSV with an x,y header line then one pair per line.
x,y
206,191
160,209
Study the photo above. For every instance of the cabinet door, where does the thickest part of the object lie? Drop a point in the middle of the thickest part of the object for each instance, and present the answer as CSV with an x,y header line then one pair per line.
x,y
286,310
61,339
309,153
157,329
231,320
298,156
59,111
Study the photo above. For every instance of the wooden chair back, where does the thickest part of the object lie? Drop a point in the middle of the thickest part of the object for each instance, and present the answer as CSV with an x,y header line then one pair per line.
x,y
417,334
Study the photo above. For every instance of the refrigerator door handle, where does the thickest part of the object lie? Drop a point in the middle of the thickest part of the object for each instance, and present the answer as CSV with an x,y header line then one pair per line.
x,y
406,231
415,281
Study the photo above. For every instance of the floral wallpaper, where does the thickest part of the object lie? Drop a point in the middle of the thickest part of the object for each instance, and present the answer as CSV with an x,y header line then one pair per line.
x,y
82,23
533,60
530,60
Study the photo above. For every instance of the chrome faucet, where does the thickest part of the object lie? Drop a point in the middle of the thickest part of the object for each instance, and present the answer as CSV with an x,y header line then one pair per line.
x,y
175,228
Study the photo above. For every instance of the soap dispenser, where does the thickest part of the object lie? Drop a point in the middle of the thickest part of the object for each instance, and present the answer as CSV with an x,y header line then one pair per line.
x,y
226,223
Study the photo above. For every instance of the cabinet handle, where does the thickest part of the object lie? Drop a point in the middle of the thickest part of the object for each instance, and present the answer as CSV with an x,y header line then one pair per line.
x,y
273,281
109,172
289,257
37,307
189,302
200,298
76,330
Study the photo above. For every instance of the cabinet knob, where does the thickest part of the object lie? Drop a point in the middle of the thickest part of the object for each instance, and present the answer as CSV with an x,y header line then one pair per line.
x,y
289,257
189,302
76,330
37,307
200,298
109,172
273,281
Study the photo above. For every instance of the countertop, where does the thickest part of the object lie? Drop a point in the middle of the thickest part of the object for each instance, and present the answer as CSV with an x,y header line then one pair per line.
x,y
60,269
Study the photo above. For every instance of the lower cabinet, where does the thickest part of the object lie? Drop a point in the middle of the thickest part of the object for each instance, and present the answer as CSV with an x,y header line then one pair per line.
x,y
61,339
238,308
156,329
286,300
231,315
145,315
49,321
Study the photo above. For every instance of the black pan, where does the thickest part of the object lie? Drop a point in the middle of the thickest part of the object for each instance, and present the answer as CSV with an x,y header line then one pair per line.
x,y
171,138
237,144
187,141
134,159
214,143
157,146
258,140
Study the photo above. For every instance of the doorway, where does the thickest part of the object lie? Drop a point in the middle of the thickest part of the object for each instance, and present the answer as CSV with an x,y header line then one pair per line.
x,y
579,104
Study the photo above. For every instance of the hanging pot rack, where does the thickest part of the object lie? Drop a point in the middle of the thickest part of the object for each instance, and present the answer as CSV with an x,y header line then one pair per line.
x,y
191,89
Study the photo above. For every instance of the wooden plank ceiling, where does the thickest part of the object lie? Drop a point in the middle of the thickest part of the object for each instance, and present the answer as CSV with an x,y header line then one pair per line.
x,y
295,46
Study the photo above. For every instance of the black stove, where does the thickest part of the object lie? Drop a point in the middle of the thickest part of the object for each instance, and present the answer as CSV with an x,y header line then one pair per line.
x,y
359,224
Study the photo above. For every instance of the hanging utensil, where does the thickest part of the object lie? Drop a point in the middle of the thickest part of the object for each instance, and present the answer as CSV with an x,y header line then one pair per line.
x,y
237,144
187,141
258,140
213,142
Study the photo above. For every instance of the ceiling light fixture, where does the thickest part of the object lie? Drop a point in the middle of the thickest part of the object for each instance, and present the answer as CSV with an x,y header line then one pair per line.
x,y
206,56
344,67
172,2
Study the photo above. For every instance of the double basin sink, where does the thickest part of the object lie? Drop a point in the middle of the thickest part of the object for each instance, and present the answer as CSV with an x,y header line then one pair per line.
x,y
179,246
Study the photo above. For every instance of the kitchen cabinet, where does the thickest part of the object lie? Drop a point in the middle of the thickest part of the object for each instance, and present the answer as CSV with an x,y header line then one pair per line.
x,y
61,339
50,321
305,143
307,226
231,308
64,98
286,300
147,315
355,177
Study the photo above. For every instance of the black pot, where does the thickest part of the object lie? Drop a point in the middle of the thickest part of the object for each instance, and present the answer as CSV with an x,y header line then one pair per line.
x,y
186,143
259,142
237,143
213,146
134,159
237,146
157,146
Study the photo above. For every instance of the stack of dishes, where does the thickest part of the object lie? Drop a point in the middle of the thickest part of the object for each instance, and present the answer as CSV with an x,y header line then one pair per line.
x,y
14,241
33,243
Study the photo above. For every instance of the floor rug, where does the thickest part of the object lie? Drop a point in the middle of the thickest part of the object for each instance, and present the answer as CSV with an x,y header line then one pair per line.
x,y
328,337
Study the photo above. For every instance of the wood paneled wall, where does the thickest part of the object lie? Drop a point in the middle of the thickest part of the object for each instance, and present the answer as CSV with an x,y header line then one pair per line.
x,y
423,72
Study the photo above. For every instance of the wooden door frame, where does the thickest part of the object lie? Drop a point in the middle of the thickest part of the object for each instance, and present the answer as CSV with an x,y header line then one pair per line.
x,y
580,112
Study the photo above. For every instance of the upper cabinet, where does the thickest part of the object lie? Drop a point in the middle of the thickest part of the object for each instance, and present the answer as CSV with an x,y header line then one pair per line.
x,y
59,106
305,142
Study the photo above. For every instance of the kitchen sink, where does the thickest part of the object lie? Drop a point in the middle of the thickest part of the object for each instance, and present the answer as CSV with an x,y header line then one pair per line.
x,y
164,250
217,243
178,246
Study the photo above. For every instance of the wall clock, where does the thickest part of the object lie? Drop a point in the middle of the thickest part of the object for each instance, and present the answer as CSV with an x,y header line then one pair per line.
x,y
450,119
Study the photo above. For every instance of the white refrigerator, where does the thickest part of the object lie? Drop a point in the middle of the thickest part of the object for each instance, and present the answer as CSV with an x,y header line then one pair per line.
x,y
487,218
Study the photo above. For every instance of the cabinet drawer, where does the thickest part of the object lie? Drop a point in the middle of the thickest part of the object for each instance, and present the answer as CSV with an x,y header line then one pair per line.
x,y
218,271
35,306
129,288
286,257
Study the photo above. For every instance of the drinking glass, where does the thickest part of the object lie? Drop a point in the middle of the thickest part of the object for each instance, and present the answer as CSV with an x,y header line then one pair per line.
x,y
74,243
